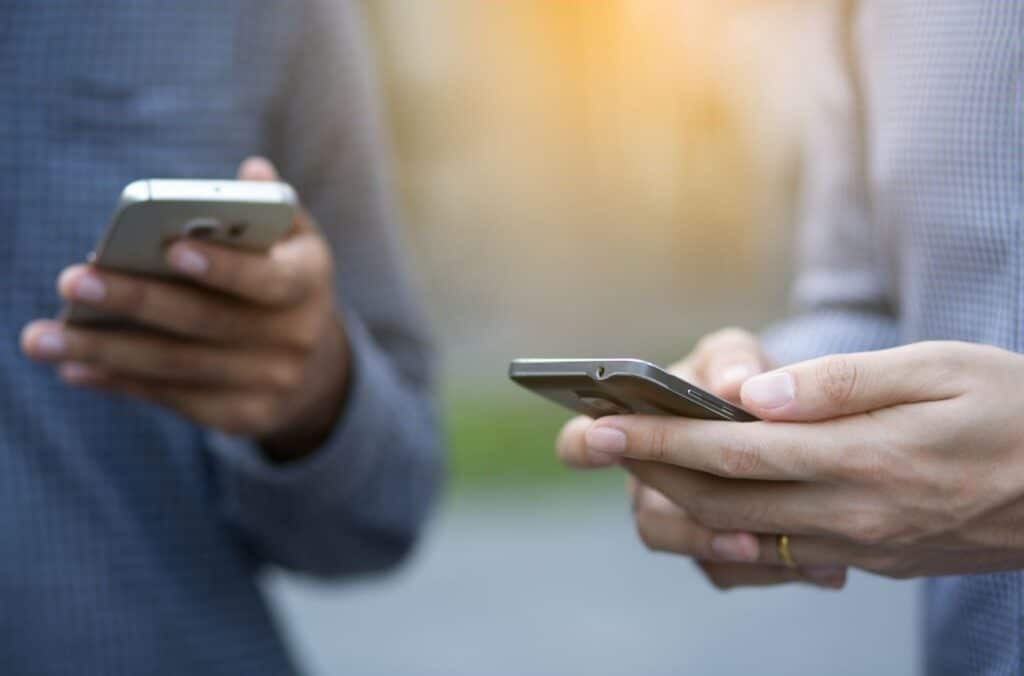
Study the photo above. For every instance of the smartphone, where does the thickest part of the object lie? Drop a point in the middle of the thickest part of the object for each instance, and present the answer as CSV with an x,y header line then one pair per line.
x,y
152,213
600,387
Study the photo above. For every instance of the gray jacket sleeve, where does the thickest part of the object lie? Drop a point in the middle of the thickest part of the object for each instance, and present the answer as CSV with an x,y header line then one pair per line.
x,y
842,294
357,503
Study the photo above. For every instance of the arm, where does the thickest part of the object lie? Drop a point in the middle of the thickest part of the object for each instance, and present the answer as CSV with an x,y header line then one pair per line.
x,y
842,293
311,356
357,502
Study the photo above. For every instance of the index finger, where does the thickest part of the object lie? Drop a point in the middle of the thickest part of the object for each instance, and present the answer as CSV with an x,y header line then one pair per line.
x,y
572,449
284,275
726,358
728,506
754,450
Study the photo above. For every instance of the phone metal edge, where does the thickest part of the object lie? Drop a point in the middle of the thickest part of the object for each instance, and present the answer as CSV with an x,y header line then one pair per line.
x,y
640,368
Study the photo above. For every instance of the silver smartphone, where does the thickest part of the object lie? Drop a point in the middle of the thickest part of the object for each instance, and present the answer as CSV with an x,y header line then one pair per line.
x,y
600,387
154,212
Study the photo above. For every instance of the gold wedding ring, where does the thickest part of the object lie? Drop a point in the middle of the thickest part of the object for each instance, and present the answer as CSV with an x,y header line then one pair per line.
x,y
782,545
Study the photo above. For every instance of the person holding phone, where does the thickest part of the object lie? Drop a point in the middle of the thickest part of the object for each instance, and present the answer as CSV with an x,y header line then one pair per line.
x,y
897,445
277,409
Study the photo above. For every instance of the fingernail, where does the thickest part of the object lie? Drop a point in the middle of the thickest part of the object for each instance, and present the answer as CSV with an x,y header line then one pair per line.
x,y
734,547
771,390
826,576
604,443
51,344
90,288
188,260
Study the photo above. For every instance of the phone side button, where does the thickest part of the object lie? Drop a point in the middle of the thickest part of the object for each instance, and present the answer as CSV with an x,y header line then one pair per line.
x,y
710,403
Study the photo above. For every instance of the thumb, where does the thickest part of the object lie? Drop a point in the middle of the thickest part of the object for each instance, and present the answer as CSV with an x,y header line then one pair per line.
x,y
257,169
839,385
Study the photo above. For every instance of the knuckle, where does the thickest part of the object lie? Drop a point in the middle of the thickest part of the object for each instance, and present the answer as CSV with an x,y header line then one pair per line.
x,y
229,272
837,377
730,335
321,265
309,338
702,509
900,570
719,580
868,528
951,354
964,498
647,530
210,368
254,415
84,345
304,332
285,376
290,286
896,571
170,361
738,458
204,320
875,562
885,563
133,299
947,366
657,441
298,281
862,466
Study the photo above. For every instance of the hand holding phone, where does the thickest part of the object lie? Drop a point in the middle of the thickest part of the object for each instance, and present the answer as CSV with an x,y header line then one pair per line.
x,y
152,214
233,328
722,361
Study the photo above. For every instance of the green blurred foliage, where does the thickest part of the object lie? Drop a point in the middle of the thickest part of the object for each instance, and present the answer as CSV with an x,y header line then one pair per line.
x,y
504,442
501,438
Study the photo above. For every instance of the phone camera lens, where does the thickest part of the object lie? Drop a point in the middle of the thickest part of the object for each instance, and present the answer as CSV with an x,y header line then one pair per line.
x,y
202,228
237,229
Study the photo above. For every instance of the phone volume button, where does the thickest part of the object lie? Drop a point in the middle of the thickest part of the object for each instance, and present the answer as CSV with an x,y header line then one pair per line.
x,y
715,406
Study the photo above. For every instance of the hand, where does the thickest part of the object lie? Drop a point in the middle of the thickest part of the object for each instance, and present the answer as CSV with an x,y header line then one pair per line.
x,y
721,362
255,348
904,462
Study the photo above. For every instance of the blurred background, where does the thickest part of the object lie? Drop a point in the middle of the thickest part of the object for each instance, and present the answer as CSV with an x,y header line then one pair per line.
x,y
592,178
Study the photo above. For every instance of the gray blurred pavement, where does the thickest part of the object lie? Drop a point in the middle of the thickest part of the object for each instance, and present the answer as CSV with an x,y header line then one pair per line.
x,y
543,586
